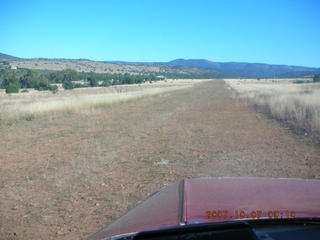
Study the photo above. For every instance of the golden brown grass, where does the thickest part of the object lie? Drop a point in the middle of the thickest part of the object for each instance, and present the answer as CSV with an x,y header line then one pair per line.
x,y
29,105
296,104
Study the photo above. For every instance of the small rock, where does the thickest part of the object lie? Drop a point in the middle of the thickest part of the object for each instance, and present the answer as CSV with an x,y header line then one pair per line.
x,y
162,162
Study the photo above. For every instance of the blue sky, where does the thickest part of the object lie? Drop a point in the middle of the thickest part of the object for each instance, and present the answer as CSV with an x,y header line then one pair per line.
x,y
268,31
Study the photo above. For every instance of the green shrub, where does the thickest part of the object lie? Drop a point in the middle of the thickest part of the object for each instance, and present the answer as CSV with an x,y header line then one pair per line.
x,y
29,117
79,85
92,82
105,84
300,81
12,88
53,88
68,85
24,91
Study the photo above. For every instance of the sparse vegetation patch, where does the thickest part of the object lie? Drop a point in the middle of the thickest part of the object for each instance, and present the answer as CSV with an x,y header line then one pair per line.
x,y
33,103
13,79
296,104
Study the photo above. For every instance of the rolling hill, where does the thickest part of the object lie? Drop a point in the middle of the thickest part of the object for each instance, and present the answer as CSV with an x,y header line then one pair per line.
x,y
179,68
238,69
7,57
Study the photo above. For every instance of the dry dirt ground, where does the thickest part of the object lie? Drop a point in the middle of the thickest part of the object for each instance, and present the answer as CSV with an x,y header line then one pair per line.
x,y
66,176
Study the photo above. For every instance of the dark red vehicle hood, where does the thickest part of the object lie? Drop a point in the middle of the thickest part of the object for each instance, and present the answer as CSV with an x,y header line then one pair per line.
x,y
189,201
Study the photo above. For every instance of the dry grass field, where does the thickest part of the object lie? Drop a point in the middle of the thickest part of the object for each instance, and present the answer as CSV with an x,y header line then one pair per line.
x,y
34,103
298,105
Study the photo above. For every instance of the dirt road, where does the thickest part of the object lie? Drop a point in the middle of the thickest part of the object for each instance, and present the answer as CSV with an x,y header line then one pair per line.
x,y
66,176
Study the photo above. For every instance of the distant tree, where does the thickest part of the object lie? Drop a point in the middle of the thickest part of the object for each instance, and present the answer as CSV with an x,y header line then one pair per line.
x,y
127,79
53,88
9,77
316,78
55,77
41,82
69,75
79,85
68,85
106,83
12,88
93,82
26,80
115,81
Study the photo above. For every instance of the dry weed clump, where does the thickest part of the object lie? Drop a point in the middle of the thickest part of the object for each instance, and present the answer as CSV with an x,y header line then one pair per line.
x,y
296,104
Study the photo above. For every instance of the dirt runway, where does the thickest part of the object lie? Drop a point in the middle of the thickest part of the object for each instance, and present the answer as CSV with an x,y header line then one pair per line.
x,y
66,176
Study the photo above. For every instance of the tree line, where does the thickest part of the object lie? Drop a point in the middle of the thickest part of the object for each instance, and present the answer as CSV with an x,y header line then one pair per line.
x,y
13,80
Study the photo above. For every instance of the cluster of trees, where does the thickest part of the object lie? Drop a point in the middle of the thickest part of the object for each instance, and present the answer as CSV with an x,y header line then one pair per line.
x,y
4,64
91,79
316,78
13,80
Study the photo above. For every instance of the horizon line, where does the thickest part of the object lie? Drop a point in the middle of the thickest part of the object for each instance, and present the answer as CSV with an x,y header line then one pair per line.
x,y
156,62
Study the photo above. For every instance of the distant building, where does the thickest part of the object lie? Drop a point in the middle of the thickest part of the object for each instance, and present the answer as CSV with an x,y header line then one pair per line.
x,y
13,67
161,77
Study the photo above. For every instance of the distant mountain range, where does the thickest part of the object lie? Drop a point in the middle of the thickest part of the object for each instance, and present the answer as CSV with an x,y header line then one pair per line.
x,y
193,68
248,69
7,57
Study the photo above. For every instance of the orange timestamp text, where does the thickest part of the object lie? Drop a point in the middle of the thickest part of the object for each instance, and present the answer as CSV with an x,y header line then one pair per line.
x,y
254,214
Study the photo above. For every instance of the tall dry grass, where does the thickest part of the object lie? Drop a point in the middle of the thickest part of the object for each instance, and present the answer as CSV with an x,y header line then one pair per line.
x,y
296,104
34,103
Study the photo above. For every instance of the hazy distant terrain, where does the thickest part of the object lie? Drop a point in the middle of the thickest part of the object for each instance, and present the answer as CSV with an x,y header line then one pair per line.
x,y
188,68
243,69
85,65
